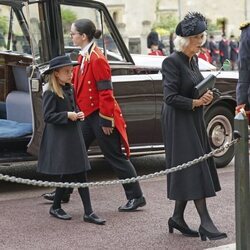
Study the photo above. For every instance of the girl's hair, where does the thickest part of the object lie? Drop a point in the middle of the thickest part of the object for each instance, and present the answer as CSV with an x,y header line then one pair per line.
x,y
181,43
54,85
87,27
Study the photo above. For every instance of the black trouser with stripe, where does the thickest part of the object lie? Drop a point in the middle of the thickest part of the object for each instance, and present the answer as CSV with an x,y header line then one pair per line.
x,y
111,148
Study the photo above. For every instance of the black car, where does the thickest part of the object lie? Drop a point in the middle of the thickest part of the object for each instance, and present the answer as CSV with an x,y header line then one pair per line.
x,y
36,31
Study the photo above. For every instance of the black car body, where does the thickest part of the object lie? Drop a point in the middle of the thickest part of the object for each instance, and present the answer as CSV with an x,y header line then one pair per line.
x,y
37,31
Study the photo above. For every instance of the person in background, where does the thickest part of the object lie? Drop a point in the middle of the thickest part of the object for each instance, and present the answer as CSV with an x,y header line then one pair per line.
x,y
224,49
103,117
243,85
184,131
171,43
62,150
234,50
154,44
214,51
204,53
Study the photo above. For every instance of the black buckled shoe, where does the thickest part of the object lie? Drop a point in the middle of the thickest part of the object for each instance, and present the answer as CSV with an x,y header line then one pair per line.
x,y
133,204
60,214
93,218
51,196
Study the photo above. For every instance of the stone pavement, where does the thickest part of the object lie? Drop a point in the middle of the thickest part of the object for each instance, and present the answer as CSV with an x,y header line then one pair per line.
x,y
226,247
26,224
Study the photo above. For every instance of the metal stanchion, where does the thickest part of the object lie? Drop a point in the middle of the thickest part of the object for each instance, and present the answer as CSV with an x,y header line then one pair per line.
x,y
242,186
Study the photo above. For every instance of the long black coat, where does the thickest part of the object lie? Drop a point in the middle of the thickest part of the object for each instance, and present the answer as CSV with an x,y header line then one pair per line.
x,y
62,149
184,132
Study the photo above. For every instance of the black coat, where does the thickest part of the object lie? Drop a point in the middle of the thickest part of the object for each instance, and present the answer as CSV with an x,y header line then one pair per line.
x,y
233,51
243,86
62,149
184,131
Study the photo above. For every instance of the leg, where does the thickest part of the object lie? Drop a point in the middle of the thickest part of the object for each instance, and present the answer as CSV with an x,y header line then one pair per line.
x,y
178,215
84,193
205,218
177,220
89,215
56,209
207,228
111,148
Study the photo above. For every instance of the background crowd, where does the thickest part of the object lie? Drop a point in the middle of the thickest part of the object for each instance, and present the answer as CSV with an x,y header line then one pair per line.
x,y
214,51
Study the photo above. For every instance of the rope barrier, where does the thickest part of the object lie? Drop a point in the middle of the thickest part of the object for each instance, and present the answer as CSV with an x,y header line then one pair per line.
x,y
114,182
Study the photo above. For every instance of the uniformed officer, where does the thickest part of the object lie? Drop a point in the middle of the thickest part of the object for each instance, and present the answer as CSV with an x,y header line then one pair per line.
x,y
103,117
243,85
154,44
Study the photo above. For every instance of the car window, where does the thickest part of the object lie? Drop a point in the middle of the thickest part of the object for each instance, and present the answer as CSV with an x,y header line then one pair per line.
x,y
14,34
106,42
11,34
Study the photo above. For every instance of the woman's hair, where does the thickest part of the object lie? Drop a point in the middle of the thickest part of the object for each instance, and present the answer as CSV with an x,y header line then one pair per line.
x,y
54,85
86,26
181,43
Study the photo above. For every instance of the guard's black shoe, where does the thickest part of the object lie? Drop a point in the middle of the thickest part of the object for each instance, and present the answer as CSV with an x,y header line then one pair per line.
x,y
60,214
51,196
133,204
93,218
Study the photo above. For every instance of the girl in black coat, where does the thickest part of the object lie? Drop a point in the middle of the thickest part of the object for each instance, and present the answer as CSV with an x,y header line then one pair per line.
x,y
62,150
184,131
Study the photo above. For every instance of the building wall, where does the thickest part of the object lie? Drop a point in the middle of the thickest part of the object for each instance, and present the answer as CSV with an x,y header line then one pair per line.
x,y
138,16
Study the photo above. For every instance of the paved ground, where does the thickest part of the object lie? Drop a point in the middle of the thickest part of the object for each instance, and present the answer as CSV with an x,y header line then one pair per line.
x,y
26,224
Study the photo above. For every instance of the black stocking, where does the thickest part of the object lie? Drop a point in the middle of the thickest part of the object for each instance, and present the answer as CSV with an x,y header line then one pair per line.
x,y
58,197
205,218
84,193
178,215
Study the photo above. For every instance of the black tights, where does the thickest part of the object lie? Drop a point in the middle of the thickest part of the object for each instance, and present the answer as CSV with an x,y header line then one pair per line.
x,y
84,192
201,207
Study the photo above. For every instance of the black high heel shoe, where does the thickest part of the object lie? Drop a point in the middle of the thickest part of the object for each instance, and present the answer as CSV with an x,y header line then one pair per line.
x,y
211,236
184,230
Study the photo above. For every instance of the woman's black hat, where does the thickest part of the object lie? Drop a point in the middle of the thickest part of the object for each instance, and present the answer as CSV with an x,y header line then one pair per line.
x,y
58,62
193,24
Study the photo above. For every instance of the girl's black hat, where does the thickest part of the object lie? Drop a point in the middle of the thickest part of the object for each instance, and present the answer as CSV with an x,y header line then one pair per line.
x,y
193,24
58,62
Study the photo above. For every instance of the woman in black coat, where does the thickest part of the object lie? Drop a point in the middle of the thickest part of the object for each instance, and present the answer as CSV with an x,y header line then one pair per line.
x,y
62,150
184,131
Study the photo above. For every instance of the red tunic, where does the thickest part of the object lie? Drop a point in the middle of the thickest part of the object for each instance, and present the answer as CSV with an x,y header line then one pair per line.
x,y
94,91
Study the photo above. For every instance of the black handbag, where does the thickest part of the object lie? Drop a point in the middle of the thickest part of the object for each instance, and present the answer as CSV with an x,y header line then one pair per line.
x,y
205,85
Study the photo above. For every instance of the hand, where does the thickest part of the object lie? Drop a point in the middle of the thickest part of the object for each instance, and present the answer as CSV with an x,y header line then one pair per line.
x,y
72,116
107,130
80,116
207,97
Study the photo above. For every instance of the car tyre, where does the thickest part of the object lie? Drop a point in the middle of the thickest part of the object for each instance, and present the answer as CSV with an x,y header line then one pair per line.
x,y
219,123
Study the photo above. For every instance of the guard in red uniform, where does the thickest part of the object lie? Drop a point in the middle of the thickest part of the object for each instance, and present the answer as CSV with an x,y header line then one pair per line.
x,y
103,117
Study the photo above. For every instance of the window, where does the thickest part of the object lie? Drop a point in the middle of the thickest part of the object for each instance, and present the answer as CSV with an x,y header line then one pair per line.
x,y
106,42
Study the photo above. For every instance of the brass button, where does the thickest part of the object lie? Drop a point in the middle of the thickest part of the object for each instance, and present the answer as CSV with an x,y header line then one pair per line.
x,y
92,104
90,90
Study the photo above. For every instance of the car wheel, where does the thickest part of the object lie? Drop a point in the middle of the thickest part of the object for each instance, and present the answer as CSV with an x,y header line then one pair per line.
x,y
219,121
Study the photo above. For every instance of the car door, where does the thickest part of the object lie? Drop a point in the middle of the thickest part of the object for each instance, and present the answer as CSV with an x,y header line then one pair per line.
x,y
133,89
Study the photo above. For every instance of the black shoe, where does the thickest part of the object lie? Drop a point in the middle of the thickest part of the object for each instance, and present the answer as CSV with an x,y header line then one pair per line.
x,y
133,204
93,218
184,230
51,196
211,236
60,214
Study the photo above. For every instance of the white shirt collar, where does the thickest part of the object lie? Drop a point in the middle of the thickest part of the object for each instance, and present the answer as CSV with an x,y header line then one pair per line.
x,y
84,51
